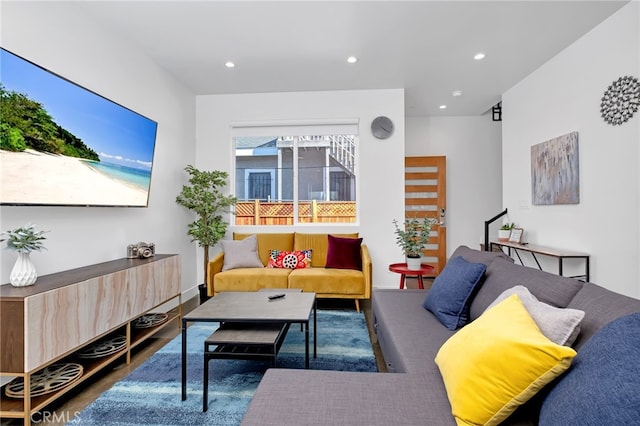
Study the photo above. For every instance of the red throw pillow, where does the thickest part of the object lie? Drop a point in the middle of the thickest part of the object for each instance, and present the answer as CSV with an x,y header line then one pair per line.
x,y
289,259
344,253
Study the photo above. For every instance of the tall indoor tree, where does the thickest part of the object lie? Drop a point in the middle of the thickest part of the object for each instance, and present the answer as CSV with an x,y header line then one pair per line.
x,y
204,196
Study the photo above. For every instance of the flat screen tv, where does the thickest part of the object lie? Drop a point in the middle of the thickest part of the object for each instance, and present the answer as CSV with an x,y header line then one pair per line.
x,y
62,144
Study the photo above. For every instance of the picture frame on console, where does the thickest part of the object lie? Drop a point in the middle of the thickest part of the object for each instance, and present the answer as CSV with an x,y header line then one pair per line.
x,y
516,235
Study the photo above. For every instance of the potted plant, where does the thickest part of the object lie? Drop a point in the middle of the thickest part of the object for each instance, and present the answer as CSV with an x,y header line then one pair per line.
x,y
505,231
204,196
413,238
23,241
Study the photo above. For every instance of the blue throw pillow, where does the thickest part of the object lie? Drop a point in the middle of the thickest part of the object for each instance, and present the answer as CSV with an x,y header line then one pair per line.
x,y
452,290
602,387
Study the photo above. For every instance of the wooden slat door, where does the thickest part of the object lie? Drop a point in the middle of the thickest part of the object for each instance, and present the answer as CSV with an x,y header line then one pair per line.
x,y
425,195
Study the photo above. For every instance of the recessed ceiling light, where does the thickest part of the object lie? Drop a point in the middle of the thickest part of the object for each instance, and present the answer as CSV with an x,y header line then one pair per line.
x,y
352,59
229,64
443,107
456,93
479,56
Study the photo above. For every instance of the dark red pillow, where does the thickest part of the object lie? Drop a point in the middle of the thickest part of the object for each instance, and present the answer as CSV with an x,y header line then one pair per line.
x,y
344,253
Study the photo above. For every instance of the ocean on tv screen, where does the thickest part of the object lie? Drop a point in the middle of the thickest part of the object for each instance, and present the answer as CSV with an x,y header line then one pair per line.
x,y
133,176
38,178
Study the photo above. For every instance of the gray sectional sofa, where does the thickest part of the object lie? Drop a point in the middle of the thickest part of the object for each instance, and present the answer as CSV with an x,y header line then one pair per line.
x,y
410,337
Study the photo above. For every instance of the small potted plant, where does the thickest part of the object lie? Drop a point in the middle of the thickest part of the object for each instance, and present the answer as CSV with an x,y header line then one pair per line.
x,y
413,238
505,231
23,240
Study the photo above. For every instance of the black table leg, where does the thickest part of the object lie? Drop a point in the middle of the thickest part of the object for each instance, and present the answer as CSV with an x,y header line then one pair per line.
x,y
560,266
205,382
306,344
184,360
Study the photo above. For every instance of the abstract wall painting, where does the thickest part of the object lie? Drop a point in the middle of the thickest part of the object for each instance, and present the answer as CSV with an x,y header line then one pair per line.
x,y
555,177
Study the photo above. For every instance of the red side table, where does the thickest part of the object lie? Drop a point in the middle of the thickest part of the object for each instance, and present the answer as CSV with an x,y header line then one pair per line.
x,y
401,268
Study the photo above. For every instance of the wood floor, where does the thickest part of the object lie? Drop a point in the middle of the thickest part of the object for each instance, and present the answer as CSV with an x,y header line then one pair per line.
x,y
83,395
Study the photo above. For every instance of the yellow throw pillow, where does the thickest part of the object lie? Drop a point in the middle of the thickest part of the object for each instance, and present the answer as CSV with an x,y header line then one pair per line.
x,y
497,363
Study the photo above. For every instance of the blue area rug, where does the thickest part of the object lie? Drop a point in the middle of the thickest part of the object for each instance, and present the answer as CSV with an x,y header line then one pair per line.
x,y
151,394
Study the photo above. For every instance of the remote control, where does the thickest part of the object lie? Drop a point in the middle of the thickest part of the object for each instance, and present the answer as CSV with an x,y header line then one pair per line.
x,y
276,296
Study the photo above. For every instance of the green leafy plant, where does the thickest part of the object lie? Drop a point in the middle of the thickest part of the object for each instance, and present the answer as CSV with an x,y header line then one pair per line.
x,y
507,226
414,235
204,196
24,239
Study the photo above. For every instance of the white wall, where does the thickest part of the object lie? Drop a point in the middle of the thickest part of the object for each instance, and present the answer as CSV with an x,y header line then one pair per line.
x,y
472,146
380,189
59,38
564,96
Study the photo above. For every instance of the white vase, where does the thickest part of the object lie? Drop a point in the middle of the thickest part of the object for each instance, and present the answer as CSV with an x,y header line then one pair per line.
x,y
503,234
414,263
23,272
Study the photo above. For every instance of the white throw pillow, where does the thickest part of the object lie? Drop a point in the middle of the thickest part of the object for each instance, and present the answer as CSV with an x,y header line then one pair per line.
x,y
559,325
241,253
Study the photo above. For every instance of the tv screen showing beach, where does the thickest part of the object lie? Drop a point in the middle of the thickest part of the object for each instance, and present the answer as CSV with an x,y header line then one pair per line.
x,y
62,144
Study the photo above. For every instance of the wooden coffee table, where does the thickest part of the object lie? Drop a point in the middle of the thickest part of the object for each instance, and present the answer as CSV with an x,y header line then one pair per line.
x,y
253,308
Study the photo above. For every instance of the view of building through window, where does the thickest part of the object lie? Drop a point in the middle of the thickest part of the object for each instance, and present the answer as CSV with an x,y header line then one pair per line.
x,y
286,180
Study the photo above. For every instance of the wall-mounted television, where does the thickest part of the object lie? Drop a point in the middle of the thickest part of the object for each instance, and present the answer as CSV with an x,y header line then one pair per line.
x,y
62,144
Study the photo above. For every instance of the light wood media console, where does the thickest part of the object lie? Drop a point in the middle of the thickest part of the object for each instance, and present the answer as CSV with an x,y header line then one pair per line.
x,y
66,311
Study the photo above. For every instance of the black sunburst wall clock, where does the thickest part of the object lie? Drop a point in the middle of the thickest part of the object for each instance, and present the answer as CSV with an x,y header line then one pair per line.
x,y
620,100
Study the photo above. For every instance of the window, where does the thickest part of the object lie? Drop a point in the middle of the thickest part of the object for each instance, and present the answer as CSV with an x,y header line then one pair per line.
x,y
259,184
290,179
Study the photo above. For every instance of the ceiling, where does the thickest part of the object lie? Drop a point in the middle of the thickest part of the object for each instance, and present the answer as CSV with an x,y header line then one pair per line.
x,y
425,47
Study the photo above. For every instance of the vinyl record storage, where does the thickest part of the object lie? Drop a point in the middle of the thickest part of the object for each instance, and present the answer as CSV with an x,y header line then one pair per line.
x,y
69,325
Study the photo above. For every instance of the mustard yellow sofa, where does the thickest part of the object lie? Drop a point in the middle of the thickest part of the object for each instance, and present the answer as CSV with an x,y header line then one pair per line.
x,y
325,282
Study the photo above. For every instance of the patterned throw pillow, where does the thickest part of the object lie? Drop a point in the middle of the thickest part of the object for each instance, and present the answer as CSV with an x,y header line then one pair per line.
x,y
297,259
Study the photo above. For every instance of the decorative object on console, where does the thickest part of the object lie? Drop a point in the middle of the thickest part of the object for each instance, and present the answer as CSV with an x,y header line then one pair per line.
x,y
47,380
413,239
505,231
204,196
297,259
516,235
620,100
555,177
142,250
24,240
150,320
382,127
23,272
104,347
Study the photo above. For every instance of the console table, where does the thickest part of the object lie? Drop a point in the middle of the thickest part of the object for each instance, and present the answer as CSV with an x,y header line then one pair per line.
x,y
64,312
561,255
